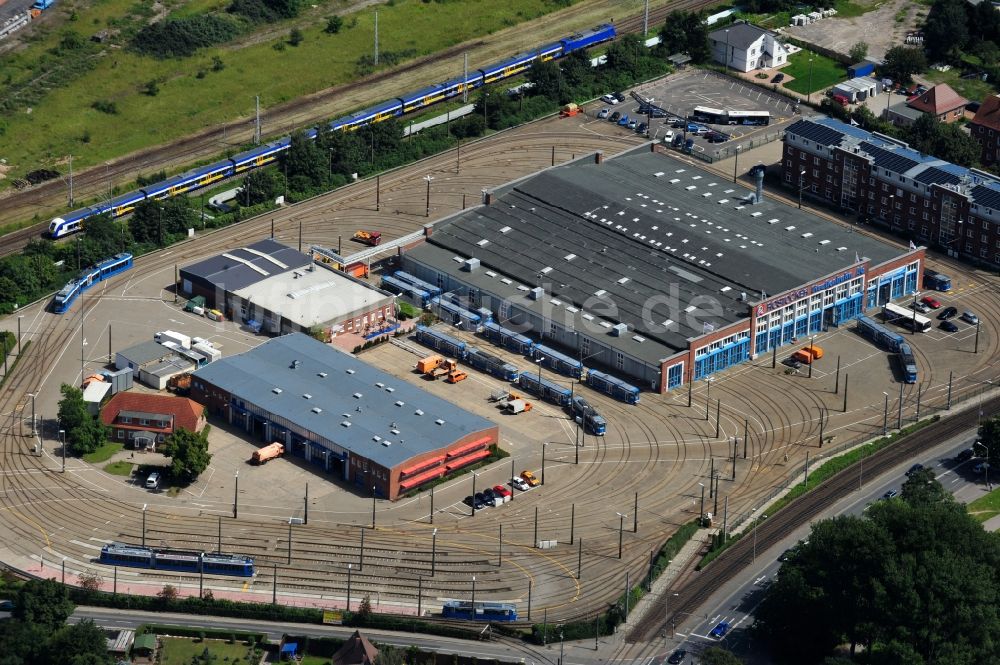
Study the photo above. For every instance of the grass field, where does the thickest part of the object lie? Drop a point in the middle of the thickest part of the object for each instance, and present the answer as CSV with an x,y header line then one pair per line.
x,y
986,506
180,651
971,89
825,72
119,468
63,122
103,454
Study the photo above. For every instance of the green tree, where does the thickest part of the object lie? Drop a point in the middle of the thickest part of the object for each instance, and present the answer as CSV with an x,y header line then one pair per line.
x,y
902,62
83,643
188,452
989,435
43,603
946,29
83,433
158,222
260,186
151,88
944,140
858,52
548,81
333,25
921,488
718,656
577,72
295,37
697,37
304,164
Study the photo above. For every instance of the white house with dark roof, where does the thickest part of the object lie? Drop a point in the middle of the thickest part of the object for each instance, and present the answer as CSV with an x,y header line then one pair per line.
x,y
746,47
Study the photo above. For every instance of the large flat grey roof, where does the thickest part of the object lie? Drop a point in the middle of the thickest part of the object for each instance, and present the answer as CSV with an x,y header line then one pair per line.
x,y
145,352
239,268
344,390
646,224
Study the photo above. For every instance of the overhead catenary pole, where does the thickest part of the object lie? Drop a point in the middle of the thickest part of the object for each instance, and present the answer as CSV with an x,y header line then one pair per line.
x,y
645,24
71,180
846,379
465,78
579,560
746,435
274,584
376,38
256,124
572,522
635,514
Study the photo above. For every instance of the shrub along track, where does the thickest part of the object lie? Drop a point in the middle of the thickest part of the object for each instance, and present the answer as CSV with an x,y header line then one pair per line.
x,y
47,199
700,587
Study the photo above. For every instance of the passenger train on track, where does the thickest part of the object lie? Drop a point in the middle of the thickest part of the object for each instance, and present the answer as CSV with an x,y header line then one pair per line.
x,y
269,153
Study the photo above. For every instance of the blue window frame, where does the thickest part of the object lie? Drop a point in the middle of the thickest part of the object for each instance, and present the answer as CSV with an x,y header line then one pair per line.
x,y
801,326
816,322
675,375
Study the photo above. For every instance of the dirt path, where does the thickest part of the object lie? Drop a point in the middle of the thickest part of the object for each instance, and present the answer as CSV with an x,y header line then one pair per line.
x,y
879,28
48,199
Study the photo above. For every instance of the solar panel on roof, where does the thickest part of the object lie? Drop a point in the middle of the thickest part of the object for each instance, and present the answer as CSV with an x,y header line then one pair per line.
x,y
814,132
889,159
986,196
935,175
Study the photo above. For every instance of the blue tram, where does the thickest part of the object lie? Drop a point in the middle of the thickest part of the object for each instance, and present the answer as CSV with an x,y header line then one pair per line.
x,y
106,269
268,153
879,334
214,563
419,296
548,390
442,342
907,363
417,282
486,362
484,611
610,385
557,362
508,339
584,413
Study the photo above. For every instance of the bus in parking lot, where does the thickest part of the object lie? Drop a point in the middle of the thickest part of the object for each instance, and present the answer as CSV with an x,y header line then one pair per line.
x,y
907,318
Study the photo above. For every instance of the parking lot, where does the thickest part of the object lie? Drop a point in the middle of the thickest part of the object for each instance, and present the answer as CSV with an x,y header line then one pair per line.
x,y
680,93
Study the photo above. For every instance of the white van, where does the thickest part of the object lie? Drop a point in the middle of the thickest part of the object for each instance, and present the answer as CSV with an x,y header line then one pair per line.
x,y
153,481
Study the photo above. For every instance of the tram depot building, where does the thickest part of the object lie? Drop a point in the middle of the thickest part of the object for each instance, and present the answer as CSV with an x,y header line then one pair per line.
x,y
344,416
656,270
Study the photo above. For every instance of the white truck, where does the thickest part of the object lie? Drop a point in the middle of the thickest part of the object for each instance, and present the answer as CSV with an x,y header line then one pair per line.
x,y
180,339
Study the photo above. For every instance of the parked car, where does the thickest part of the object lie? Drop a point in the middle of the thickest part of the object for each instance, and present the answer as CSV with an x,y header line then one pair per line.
x,y
947,313
914,469
677,657
778,78
624,120
965,455
658,113
604,113
620,97
490,497
502,492
693,128
633,123
614,116
890,494
919,307
480,501
469,500
678,140
642,128
718,138
948,326
969,317
787,555
609,98
153,481
530,478
931,302
668,138
520,483
678,124
720,629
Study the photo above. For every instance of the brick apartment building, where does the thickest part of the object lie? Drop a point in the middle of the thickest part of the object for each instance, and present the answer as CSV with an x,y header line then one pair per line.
x,y
884,181
985,129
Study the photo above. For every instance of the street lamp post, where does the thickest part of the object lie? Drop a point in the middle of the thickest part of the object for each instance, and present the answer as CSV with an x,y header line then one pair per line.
x,y
434,541
621,532
473,597
428,178
809,94
144,525
236,495
736,162
666,614
373,506
349,566
913,328
802,177
62,442
702,513
544,446
885,415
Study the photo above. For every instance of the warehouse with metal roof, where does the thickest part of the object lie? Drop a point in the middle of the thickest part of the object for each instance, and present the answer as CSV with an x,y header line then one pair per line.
x,y
348,418
651,267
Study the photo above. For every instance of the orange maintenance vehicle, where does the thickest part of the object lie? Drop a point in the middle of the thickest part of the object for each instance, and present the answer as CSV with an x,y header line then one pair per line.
x,y
370,238
429,364
267,453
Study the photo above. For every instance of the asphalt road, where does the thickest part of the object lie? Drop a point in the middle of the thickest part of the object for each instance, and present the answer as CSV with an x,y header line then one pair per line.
x,y
112,618
736,602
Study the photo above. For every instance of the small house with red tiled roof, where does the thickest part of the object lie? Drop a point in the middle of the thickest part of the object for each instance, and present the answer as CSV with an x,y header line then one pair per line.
x,y
144,419
941,101
357,650
985,129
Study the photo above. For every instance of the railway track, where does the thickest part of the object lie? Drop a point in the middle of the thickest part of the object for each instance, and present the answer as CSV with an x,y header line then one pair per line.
x,y
701,586
46,198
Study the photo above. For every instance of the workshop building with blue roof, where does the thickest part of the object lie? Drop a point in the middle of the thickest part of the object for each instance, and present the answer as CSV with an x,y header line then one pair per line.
x,y
886,182
347,418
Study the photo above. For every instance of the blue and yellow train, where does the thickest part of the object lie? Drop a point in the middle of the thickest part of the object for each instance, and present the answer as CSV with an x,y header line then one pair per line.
x,y
268,153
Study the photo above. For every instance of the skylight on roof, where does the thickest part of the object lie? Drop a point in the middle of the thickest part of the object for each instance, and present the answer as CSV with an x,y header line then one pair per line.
x,y
570,257
807,234
824,242
483,242
790,228
276,391
505,229
546,270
